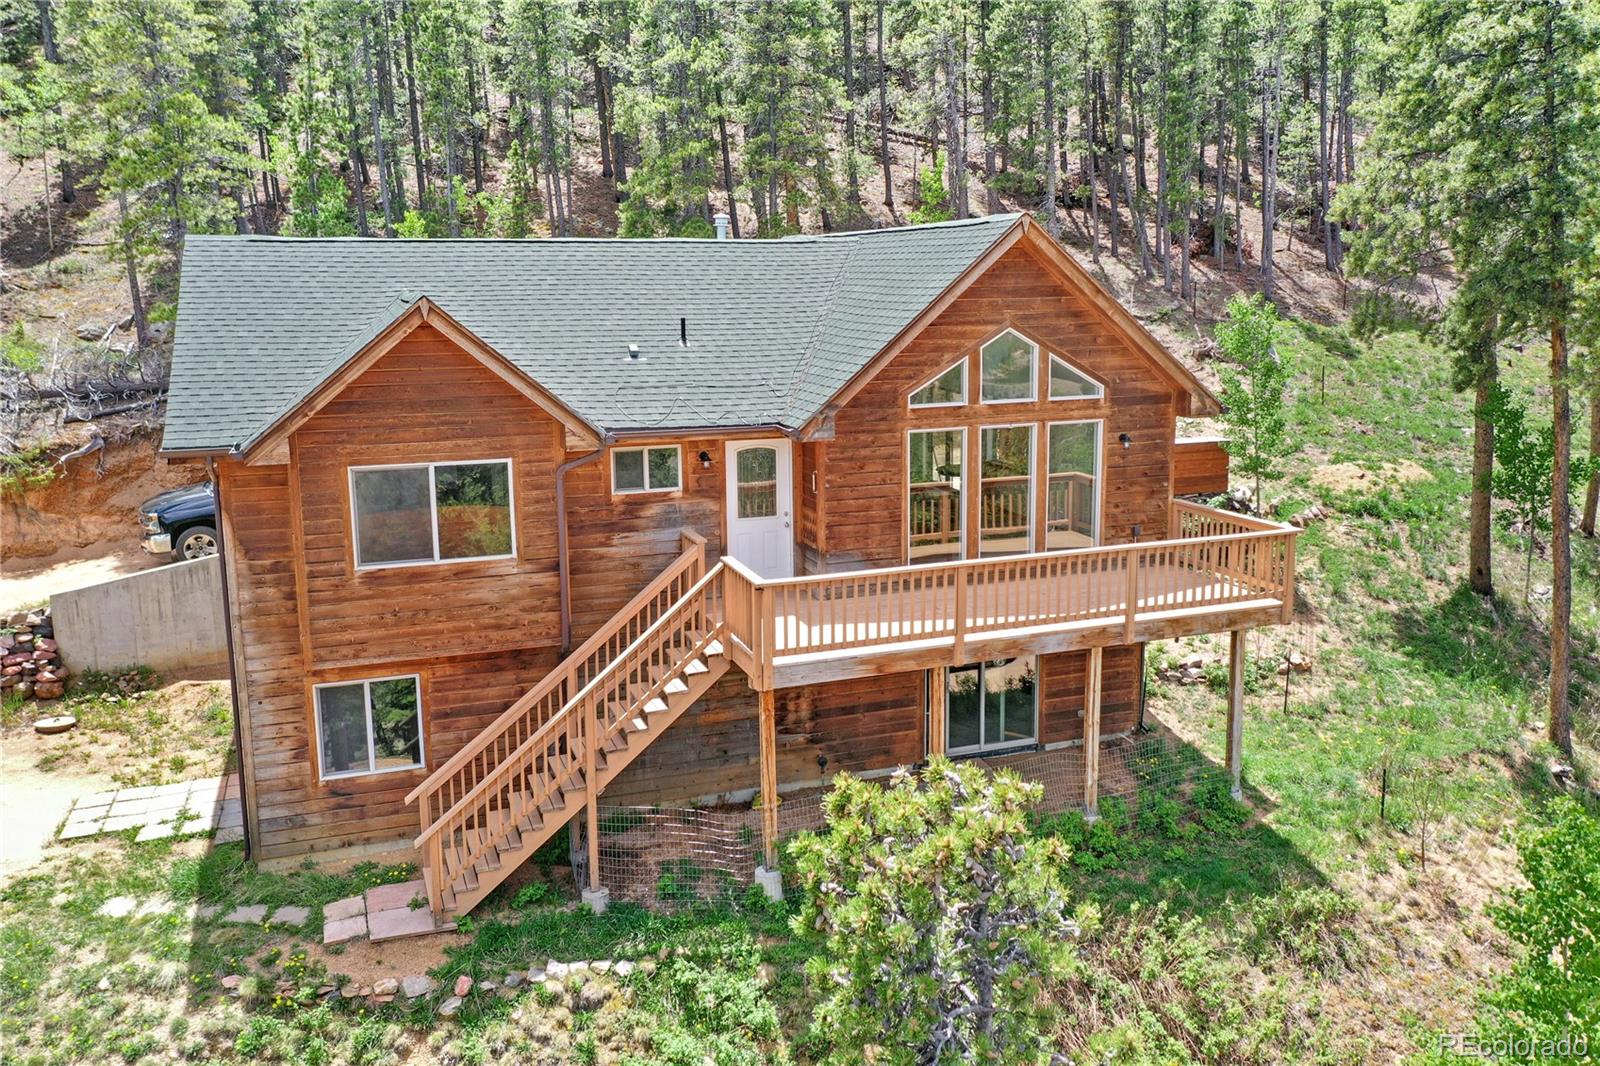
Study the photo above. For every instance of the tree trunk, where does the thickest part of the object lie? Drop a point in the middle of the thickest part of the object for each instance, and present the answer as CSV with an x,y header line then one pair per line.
x,y
1272,88
376,107
727,164
853,174
602,106
883,121
141,326
416,112
1560,542
1480,540
956,160
358,164
1051,163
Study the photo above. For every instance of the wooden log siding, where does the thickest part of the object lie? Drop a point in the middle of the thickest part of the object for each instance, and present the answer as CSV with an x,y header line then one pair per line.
x,y
426,401
1199,467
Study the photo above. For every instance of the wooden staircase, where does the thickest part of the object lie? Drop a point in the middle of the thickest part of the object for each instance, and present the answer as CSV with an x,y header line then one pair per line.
x,y
551,754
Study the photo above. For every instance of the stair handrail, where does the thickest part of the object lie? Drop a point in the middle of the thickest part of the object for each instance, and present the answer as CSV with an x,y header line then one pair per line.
x,y
515,759
691,559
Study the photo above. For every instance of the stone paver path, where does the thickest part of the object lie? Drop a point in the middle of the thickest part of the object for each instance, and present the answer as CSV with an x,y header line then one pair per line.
x,y
387,912
160,811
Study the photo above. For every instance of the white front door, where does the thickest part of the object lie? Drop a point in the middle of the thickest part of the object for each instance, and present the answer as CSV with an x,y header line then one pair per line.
x,y
760,498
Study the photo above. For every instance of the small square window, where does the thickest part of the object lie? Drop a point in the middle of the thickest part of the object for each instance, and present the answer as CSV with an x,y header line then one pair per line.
x,y
369,727
646,469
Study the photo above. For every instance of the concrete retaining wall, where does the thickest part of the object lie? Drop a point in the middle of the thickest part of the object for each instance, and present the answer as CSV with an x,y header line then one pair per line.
x,y
169,619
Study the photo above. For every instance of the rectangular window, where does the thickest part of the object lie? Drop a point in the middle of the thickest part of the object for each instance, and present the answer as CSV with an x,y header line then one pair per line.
x,y
935,502
646,469
1072,515
1005,503
432,512
369,727
991,705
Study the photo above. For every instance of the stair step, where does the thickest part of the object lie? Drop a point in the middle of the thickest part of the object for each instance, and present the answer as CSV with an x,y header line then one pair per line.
x,y
674,687
639,725
713,647
656,705
695,666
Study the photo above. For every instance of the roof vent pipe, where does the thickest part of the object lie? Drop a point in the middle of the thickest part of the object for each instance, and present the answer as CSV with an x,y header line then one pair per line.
x,y
683,333
721,219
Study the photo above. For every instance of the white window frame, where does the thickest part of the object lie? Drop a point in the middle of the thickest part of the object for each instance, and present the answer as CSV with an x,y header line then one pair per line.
x,y
1099,385
1033,486
1099,478
960,364
1033,368
981,748
648,488
366,684
966,483
433,512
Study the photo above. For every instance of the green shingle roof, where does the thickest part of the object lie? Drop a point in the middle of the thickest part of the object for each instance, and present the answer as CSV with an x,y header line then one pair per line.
x,y
776,328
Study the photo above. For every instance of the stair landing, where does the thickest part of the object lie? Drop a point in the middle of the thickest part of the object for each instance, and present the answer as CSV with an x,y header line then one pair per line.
x,y
387,912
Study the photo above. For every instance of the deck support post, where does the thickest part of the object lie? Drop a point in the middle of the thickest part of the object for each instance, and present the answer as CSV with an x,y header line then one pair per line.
x,y
591,805
1091,733
938,705
767,874
1236,710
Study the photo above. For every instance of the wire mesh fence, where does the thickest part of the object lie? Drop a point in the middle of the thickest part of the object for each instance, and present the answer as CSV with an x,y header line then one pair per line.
x,y
669,857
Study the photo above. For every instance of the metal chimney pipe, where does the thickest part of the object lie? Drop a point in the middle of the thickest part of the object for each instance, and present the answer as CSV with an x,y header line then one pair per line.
x,y
721,220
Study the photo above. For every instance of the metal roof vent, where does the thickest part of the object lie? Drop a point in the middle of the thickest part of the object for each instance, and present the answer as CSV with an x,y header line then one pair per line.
x,y
633,353
721,220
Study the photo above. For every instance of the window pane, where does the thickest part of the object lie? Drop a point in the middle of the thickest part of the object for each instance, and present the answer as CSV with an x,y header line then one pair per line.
x,y
1067,383
1071,520
627,471
396,723
935,497
1006,503
1008,701
949,387
474,502
758,482
342,716
663,468
393,521
963,729
1007,368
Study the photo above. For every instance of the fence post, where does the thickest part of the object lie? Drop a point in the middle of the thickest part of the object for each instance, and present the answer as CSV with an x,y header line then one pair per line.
x,y
1132,563
1236,710
1288,578
1093,670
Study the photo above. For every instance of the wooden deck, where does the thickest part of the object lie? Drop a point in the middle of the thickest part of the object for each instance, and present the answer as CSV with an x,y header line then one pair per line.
x,y
1228,572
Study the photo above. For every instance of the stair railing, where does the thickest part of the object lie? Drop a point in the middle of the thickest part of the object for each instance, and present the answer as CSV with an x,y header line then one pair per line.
x,y
459,774
572,739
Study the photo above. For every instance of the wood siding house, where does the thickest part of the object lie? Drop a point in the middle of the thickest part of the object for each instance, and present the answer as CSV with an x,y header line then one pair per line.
x,y
509,525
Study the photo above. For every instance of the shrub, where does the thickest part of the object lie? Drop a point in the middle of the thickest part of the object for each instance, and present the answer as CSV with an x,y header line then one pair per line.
x,y
941,917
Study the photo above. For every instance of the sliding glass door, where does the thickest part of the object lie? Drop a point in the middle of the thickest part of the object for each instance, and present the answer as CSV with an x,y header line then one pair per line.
x,y
991,705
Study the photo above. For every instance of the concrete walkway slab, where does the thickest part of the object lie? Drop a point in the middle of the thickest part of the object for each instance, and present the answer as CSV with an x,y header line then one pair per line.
x,y
161,811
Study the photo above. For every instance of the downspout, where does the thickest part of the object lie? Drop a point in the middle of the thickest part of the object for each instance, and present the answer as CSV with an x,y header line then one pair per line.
x,y
233,677
561,537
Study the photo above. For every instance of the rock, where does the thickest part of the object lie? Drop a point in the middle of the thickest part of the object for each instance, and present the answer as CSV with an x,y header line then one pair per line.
x,y
593,996
118,906
536,974
232,981
450,1007
46,644
1560,771
513,980
349,992
603,966
552,988
48,690
23,689
487,986
104,984
556,969
416,985
647,966
463,985
1298,663
90,332
382,999
624,968
386,986
7,641
766,974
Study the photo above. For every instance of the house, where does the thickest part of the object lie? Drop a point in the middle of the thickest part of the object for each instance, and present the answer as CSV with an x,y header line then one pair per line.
x,y
511,524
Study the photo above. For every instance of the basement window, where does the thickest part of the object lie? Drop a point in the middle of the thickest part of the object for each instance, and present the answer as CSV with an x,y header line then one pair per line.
x,y
432,513
369,727
646,469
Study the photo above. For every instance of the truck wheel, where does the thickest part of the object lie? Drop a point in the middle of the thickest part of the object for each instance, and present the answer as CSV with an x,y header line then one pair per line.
x,y
196,542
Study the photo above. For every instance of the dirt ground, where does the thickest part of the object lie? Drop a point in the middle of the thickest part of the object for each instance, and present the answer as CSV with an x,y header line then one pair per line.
x,y
33,801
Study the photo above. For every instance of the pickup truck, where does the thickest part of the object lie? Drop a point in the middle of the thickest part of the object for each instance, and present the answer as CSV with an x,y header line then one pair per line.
x,y
180,522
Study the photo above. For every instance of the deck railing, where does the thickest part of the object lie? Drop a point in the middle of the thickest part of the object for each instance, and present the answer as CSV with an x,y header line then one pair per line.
x,y
1214,559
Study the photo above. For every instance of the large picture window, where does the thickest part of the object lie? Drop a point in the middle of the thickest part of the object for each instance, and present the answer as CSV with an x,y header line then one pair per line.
x,y
1072,516
369,727
647,469
1005,505
432,512
1008,368
935,502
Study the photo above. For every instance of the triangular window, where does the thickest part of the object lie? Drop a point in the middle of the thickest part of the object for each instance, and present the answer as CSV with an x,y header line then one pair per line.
x,y
947,390
1069,383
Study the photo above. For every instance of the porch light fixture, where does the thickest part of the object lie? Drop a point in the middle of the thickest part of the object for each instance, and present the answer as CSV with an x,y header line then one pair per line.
x,y
705,460
1125,440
